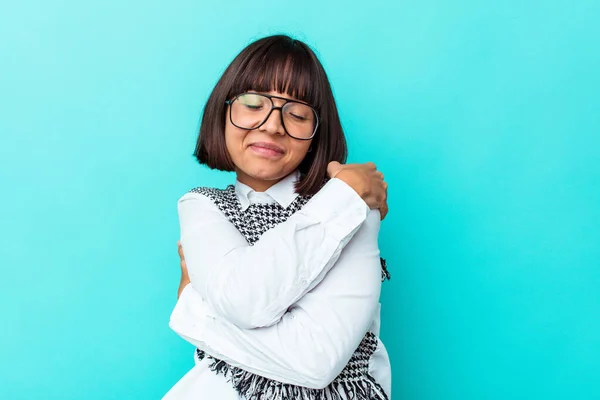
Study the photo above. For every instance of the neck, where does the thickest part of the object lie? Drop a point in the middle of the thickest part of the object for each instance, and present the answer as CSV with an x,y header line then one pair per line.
x,y
258,185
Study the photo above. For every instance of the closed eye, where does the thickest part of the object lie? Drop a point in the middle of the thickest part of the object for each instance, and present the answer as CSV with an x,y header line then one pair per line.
x,y
297,117
253,106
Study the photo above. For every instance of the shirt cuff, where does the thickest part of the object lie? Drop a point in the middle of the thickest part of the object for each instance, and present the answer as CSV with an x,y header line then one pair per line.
x,y
337,201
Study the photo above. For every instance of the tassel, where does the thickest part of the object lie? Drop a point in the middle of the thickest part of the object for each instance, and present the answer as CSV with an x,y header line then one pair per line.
x,y
353,383
385,274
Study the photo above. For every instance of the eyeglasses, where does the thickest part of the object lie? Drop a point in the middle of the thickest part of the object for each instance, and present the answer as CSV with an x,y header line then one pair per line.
x,y
251,110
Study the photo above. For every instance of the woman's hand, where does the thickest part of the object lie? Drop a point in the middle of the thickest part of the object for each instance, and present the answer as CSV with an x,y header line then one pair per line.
x,y
185,278
366,180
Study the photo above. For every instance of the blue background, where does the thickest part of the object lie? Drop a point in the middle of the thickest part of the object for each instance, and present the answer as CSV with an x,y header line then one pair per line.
x,y
484,116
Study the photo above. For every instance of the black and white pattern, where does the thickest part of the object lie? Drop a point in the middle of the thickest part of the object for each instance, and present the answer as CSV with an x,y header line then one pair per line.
x,y
257,218
354,382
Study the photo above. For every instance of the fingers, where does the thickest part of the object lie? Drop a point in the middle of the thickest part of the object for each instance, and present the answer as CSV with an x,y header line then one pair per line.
x,y
184,271
333,168
383,210
182,263
180,251
366,180
384,205
185,279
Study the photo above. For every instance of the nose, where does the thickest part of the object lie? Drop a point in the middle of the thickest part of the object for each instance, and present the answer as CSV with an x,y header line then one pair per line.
x,y
273,123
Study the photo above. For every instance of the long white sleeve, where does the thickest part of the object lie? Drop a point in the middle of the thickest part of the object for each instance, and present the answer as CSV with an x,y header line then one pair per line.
x,y
253,286
315,339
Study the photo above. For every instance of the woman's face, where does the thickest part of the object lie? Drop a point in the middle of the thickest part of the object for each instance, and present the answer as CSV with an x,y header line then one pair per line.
x,y
265,155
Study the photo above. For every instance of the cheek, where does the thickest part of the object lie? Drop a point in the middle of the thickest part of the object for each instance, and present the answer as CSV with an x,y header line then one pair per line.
x,y
299,150
233,139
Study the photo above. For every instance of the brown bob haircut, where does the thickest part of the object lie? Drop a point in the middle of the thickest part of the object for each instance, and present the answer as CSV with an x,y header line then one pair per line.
x,y
276,63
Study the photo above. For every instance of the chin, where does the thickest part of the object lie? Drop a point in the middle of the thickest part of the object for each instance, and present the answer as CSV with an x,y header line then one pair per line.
x,y
268,172
268,175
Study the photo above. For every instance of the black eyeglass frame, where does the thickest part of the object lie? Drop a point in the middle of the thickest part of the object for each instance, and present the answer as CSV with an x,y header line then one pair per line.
x,y
271,97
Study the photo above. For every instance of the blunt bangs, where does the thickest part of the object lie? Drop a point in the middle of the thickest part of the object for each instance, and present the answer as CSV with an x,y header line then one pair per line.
x,y
284,66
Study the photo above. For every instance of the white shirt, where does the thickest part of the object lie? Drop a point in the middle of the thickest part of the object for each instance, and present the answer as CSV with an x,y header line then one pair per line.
x,y
275,309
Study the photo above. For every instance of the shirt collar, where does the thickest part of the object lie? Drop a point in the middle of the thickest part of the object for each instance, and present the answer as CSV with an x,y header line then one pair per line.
x,y
283,192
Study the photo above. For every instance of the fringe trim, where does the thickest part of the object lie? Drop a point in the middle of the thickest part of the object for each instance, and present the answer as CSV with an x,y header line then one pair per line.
x,y
385,274
255,387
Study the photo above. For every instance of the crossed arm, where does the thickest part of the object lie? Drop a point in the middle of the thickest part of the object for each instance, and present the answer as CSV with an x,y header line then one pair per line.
x,y
273,308
314,339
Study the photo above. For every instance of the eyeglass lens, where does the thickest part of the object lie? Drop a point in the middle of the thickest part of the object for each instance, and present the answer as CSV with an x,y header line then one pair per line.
x,y
250,110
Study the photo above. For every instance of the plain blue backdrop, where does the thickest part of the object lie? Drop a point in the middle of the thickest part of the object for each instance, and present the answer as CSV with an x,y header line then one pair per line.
x,y
483,115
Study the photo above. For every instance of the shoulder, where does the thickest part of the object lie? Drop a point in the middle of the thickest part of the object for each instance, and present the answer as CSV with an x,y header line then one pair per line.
x,y
211,192
208,192
208,196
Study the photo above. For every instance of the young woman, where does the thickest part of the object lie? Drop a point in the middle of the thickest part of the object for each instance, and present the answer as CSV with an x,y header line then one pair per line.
x,y
284,265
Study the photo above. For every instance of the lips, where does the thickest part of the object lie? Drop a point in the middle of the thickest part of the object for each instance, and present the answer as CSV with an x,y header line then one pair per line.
x,y
267,147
